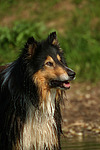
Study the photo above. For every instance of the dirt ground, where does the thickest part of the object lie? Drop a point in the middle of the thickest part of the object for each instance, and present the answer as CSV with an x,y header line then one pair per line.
x,y
81,110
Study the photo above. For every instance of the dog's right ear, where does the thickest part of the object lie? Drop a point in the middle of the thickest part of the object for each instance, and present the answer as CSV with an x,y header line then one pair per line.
x,y
31,46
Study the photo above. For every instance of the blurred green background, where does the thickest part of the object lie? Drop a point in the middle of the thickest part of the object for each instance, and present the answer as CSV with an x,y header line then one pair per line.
x,y
77,23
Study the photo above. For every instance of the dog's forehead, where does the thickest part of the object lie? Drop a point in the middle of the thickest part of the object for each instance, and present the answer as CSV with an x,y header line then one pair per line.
x,y
55,55
45,50
53,51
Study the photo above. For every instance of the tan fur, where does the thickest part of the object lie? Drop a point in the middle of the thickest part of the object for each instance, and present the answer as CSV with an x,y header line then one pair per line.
x,y
42,76
55,42
58,57
31,50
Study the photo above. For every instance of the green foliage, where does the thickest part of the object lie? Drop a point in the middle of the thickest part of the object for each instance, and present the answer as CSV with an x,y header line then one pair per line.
x,y
82,54
20,32
80,39
81,50
12,39
77,1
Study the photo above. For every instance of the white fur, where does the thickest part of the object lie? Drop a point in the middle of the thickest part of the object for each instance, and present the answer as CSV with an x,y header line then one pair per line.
x,y
64,77
40,127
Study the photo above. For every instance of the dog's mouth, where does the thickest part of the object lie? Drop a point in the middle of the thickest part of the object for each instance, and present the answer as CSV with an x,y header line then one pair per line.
x,y
60,84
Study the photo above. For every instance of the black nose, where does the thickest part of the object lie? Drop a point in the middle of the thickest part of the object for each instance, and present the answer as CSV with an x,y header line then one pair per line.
x,y
70,73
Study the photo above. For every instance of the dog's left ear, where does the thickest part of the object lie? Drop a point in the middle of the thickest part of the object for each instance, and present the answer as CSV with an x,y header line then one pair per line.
x,y
52,38
31,46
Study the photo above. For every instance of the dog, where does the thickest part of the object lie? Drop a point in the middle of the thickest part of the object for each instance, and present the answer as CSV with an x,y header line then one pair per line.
x,y
31,89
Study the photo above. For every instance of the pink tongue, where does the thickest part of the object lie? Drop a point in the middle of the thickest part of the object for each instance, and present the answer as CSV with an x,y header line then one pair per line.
x,y
66,85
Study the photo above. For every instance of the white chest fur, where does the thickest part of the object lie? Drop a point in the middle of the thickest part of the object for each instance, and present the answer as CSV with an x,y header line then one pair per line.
x,y
40,129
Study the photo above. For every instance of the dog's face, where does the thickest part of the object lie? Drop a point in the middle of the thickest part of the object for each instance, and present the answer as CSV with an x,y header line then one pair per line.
x,y
48,63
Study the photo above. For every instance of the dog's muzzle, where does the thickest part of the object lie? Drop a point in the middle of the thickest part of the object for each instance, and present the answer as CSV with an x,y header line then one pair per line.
x,y
62,81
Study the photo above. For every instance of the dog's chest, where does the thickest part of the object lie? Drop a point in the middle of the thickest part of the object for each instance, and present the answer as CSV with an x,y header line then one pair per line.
x,y
40,130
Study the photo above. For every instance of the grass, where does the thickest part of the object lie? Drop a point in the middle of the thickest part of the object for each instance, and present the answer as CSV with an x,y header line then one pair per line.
x,y
77,23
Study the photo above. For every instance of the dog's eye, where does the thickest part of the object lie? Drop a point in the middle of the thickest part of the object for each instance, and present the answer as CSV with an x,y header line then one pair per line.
x,y
49,64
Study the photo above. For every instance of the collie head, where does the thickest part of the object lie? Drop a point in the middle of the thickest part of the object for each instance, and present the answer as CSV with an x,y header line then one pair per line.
x,y
48,66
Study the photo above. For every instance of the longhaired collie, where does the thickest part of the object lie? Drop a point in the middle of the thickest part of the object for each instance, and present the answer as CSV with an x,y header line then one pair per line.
x,y
31,89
